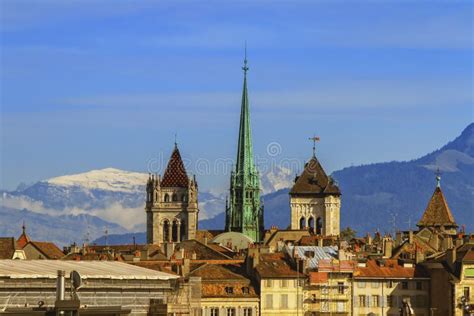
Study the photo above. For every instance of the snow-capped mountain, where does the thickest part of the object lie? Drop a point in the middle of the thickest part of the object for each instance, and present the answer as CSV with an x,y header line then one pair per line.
x,y
276,179
109,179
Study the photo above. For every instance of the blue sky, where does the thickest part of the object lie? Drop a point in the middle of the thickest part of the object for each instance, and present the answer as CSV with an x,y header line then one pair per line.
x,y
95,84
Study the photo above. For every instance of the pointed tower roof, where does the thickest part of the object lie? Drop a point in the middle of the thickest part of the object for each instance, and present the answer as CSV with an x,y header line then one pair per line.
x,y
437,212
175,174
314,180
24,238
244,148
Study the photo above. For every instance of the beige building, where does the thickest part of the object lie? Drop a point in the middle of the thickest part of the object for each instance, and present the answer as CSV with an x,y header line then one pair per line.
x,y
281,286
381,286
315,201
172,204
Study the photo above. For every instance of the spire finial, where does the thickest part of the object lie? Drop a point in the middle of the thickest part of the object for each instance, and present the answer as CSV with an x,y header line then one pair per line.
x,y
245,68
438,178
314,139
23,227
175,139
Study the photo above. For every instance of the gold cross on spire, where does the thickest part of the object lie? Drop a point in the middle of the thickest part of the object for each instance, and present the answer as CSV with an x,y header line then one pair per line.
x,y
314,139
245,68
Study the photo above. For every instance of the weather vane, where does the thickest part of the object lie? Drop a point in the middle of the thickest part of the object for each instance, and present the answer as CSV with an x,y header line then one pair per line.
x,y
314,139
245,68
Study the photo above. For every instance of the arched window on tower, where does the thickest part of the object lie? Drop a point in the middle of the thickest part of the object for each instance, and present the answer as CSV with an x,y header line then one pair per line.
x,y
175,231
311,224
182,232
319,226
185,198
302,223
175,197
167,197
166,230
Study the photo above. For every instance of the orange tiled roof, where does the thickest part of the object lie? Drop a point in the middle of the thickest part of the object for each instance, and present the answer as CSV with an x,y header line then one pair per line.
x,y
23,240
391,269
48,249
437,212
217,279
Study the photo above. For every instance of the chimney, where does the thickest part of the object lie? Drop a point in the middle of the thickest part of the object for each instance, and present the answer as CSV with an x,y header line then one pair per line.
x,y
205,240
410,237
60,286
320,242
451,256
169,249
186,266
419,256
398,238
387,248
368,239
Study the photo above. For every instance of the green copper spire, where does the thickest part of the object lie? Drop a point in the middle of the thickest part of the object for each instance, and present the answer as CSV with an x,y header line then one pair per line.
x,y
244,213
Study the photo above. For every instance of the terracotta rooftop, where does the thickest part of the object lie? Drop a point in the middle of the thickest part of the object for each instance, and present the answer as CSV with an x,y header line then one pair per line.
x,y
48,249
224,281
23,239
390,269
275,265
7,247
437,212
314,180
203,252
175,173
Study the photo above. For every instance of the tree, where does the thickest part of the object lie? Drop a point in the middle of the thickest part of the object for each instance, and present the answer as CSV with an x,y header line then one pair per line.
x,y
348,233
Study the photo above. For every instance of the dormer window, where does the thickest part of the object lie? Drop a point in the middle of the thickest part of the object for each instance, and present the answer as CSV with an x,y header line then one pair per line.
x,y
229,290
245,290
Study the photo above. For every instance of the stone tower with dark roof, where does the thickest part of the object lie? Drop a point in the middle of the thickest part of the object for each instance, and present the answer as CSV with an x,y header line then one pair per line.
x,y
437,214
171,204
315,201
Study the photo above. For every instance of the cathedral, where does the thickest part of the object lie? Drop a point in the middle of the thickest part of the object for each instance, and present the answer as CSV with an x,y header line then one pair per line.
x,y
171,204
244,214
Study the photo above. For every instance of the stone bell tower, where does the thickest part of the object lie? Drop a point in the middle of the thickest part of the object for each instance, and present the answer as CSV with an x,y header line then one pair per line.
x,y
171,204
315,200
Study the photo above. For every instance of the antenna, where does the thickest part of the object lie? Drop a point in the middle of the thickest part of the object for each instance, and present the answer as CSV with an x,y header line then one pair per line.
x,y
314,139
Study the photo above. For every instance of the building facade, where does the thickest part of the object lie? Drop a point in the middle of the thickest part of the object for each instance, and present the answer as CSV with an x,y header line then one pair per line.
x,y
171,204
315,201
244,214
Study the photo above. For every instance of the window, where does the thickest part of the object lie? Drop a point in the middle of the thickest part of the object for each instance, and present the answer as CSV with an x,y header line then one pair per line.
x,y
214,311
245,290
284,283
247,311
390,301
284,301
467,293
324,306
405,285
362,301
419,285
375,301
167,197
269,301
174,198
301,282
390,284
340,287
231,311
341,307
375,285
325,289
299,301
268,283
313,298
361,284
229,290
